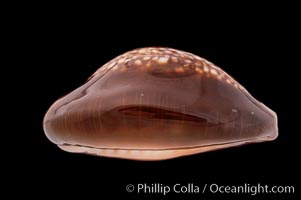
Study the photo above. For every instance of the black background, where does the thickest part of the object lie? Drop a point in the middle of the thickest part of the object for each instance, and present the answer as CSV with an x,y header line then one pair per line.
x,y
61,52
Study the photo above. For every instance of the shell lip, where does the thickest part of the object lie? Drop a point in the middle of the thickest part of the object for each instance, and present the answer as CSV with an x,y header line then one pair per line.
x,y
152,154
253,140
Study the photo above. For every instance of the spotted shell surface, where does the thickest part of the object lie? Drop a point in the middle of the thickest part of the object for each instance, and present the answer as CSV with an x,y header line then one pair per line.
x,y
155,104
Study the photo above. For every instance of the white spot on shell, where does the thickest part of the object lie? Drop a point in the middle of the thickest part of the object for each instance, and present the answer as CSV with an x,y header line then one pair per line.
x,y
174,59
155,58
221,75
213,71
234,110
199,70
199,58
179,52
138,62
142,51
206,69
163,60
121,60
191,57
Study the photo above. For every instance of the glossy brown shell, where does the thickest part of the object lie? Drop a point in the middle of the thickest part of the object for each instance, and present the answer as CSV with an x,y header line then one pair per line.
x,y
158,103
